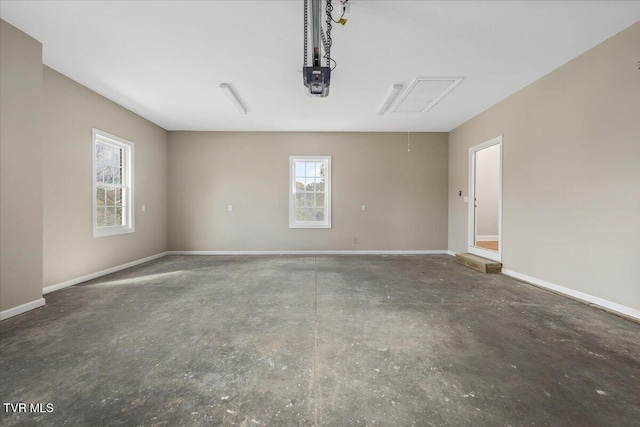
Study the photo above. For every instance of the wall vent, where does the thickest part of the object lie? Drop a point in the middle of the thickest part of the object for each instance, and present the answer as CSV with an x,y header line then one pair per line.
x,y
425,92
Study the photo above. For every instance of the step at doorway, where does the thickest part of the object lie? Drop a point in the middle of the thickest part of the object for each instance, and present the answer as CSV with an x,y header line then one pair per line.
x,y
480,264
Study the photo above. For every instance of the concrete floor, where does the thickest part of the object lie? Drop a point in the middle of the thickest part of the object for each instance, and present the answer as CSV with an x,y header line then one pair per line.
x,y
332,341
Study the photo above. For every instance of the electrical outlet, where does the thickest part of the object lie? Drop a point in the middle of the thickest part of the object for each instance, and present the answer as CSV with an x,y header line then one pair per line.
x,y
144,208
364,208
230,208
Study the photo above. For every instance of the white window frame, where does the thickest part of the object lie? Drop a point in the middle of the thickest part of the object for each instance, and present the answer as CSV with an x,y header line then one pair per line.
x,y
293,223
128,173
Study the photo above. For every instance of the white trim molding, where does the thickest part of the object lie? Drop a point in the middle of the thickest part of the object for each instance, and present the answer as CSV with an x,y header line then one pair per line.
x,y
326,222
127,184
23,308
471,221
91,276
581,296
336,252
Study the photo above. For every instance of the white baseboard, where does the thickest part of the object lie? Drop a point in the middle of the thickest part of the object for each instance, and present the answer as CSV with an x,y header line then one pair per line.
x,y
91,276
23,308
452,253
487,238
371,252
590,299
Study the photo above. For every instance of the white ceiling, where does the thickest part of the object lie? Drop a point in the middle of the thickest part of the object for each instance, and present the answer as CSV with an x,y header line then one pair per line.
x,y
165,59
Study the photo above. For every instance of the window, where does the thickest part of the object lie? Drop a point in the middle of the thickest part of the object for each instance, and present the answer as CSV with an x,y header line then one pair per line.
x,y
112,185
310,192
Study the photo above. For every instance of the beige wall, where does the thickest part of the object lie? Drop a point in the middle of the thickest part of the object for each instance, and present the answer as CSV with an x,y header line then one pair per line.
x,y
571,173
20,168
70,250
405,193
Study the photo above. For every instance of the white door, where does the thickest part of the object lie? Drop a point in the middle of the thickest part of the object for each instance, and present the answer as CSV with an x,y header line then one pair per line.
x,y
485,199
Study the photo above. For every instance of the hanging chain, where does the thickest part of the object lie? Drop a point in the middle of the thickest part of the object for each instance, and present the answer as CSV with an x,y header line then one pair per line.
x,y
328,41
306,31
324,43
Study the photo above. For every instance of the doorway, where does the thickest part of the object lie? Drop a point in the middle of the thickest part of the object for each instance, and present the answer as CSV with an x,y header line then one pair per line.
x,y
485,199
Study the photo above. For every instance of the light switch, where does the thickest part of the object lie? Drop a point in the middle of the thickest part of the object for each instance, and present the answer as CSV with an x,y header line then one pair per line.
x,y
466,199
364,208
230,208
144,208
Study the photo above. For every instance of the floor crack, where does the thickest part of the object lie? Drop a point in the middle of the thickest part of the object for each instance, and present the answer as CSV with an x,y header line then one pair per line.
x,y
315,340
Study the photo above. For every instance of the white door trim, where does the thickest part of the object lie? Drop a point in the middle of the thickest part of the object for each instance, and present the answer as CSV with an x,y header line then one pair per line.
x,y
492,255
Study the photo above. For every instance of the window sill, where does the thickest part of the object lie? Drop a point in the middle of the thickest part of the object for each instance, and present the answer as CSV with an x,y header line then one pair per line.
x,y
309,225
112,231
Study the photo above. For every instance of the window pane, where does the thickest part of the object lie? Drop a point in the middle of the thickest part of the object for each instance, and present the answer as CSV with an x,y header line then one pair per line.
x,y
102,151
323,169
300,184
100,217
308,214
117,175
310,184
99,172
100,195
111,197
320,186
114,155
299,169
300,199
118,197
300,214
107,154
119,216
108,175
320,200
311,168
114,159
319,214
309,199
110,216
